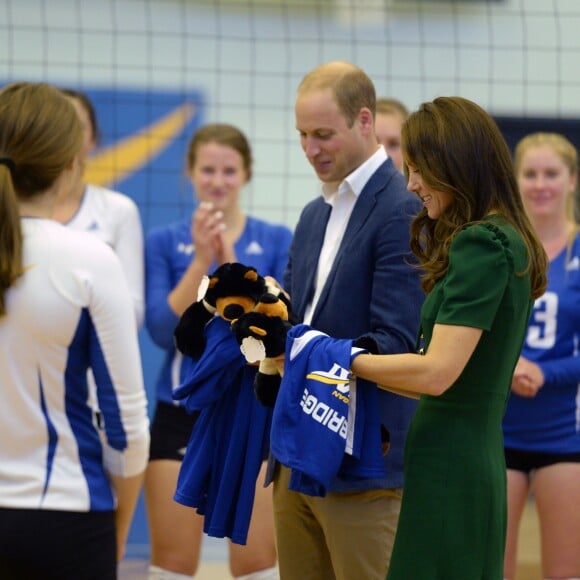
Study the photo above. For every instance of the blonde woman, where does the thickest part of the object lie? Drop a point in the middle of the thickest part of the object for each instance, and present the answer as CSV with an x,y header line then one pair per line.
x,y
542,421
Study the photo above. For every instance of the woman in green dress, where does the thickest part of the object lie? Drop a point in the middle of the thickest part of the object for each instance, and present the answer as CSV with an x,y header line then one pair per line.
x,y
482,267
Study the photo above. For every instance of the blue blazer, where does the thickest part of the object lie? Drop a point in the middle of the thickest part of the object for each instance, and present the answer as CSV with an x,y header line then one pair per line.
x,y
372,291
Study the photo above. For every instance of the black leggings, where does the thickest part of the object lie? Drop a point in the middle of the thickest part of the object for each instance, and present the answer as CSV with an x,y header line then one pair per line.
x,y
57,545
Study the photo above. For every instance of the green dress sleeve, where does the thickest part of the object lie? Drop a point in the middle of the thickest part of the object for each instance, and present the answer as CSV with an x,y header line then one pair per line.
x,y
480,265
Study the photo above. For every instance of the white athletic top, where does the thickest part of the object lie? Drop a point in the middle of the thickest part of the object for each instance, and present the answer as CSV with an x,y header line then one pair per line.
x,y
70,310
114,218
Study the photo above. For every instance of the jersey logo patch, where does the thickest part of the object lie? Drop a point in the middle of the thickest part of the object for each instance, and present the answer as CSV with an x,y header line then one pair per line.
x,y
337,375
186,249
254,248
573,264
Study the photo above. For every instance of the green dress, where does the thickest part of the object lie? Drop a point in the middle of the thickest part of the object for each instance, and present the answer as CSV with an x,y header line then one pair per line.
x,y
453,518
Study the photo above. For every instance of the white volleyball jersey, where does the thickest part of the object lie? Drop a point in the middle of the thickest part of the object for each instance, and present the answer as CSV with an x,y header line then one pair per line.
x,y
114,218
69,311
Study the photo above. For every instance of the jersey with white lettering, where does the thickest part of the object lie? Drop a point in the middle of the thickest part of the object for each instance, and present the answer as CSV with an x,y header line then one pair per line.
x,y
114,218
70,310
169,251
323,426
550,421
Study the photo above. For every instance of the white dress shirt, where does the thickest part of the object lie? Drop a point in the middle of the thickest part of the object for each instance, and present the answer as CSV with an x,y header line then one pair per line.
x,y
342,202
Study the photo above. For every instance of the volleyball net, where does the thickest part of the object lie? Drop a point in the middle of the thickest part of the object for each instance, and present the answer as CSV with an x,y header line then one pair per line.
x,y
156,69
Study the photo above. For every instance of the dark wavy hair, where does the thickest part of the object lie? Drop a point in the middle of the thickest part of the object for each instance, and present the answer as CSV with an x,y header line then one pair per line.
x,y
458,148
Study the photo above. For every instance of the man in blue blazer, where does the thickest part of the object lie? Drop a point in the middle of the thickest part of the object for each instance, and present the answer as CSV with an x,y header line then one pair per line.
x,y
350,275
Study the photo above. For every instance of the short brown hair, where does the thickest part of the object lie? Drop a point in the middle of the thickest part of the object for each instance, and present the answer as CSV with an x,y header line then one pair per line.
x,y
351,87
390,106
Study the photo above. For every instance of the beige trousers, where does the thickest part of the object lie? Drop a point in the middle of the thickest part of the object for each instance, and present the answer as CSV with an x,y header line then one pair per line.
x,y
342,536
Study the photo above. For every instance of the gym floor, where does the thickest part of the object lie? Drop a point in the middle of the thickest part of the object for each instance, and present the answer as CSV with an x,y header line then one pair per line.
x,y
215,567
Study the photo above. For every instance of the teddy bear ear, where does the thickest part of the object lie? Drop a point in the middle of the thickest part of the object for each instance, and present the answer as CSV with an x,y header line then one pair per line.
x,y
202,290
251,275
213,280
188,335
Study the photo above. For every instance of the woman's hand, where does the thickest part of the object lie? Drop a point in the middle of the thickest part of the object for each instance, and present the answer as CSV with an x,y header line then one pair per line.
x,y
207,227
528,378
225,252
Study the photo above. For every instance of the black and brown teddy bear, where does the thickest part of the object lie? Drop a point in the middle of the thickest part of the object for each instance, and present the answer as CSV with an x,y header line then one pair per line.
x,y
261,334
230,291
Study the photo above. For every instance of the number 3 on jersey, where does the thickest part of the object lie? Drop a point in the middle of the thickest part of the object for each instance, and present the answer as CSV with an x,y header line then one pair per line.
x,y
542,329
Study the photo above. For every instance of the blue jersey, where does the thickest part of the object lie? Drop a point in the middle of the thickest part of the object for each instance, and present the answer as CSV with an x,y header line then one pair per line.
x,y
168,253
550,421
324,425
229,440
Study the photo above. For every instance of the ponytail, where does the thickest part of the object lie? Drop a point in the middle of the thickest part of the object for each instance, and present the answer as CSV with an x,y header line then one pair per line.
x,y
40,135
10,235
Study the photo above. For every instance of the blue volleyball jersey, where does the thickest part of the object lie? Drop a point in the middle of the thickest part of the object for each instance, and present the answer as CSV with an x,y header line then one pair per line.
x,y
324,426
168,253
550,421
229,440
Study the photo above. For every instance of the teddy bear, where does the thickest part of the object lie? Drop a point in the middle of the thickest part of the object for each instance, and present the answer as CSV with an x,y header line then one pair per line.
x,y
230,291
261,334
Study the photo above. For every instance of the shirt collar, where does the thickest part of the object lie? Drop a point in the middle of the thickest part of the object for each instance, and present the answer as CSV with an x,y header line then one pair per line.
x,y
355,181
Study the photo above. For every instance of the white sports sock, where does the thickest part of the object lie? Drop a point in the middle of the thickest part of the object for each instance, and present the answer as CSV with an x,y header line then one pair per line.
x,y
267,574
157,573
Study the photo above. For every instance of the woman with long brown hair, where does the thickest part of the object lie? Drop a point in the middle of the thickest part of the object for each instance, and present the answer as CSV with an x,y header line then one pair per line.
x,y
482,267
